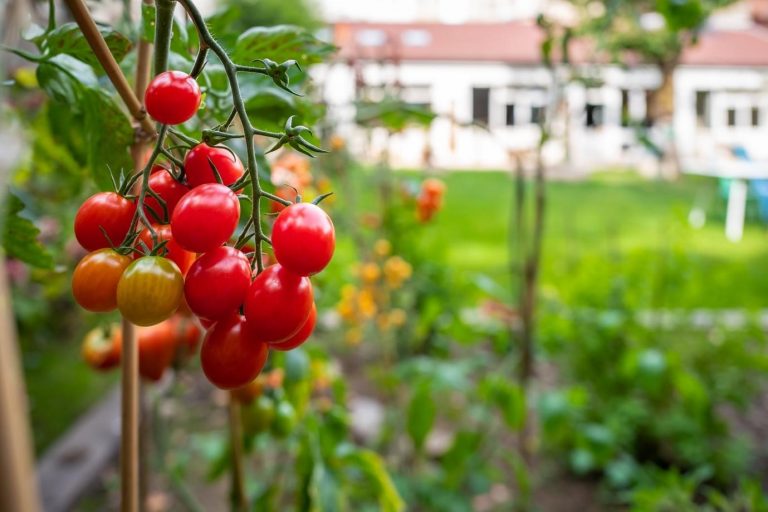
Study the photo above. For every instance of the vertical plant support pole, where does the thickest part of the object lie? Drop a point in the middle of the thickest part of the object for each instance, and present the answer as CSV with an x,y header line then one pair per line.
x,y
238,496
129,435
18,482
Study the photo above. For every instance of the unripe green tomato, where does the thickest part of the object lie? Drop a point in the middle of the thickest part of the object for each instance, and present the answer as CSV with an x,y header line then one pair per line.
x,y
150,290
259,415
285,419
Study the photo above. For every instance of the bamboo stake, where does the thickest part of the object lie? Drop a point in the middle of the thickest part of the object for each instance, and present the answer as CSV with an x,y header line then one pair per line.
x,y
239,499
18,482
107,60
129,416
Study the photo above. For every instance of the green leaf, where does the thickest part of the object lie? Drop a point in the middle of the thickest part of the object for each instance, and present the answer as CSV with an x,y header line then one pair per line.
x,y
372,467
508,397
455,460
68,39
20,237
65,78
393,114
421,415
148,14
108,134
280,43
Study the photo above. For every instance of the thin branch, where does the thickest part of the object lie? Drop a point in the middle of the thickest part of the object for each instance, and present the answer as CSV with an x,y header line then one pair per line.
x,y
107,60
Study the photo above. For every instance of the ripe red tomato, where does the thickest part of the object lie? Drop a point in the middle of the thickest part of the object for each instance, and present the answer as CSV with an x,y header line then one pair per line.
x,y
277,304
170,190
230,358
94,281
197,165
183,259
157,346
150,290
205,217
283,192
303,239
187,333
99,349
172,97
107,210
217,282
301,336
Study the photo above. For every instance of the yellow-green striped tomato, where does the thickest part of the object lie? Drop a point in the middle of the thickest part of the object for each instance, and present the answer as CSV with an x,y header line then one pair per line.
x,y
150,290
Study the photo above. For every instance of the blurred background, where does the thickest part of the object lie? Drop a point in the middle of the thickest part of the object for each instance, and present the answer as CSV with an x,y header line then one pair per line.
x,y
549,289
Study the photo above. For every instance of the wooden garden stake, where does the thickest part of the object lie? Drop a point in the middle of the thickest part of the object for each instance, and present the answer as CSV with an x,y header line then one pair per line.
x,y
239,500
18,482
129,418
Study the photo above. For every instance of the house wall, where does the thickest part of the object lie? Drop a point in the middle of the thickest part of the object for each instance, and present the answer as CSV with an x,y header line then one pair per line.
x,y
447,87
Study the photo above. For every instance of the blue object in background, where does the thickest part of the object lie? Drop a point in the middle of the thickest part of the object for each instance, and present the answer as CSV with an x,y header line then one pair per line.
x,y
758,188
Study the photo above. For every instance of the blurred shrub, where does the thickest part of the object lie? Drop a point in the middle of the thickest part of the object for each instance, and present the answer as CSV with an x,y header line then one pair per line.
x,y
635,394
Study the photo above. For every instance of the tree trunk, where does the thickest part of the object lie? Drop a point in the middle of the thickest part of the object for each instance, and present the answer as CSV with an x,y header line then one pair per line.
x,y
661,110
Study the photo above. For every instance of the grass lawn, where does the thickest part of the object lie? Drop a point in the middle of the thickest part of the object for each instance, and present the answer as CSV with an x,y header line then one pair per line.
x,y
612,231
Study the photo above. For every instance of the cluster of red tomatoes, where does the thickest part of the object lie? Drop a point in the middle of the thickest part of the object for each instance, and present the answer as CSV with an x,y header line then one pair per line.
x,y
430,199
245,314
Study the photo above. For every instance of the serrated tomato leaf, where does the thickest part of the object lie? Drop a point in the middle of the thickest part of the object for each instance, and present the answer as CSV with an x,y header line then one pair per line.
x,y
280,43
68,39
20,237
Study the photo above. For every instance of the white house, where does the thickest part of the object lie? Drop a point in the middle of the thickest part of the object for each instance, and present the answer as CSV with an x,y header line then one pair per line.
x,y
491,73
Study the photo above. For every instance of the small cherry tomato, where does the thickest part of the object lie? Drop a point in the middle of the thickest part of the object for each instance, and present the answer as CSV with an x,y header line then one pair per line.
x,y
187,333
301,336
246,394
303,239
197,165
108,211
150,290
172,97
278,304
183,259
170,190
99,349
217,282
205,217
94,281
230,358
283,192
157,346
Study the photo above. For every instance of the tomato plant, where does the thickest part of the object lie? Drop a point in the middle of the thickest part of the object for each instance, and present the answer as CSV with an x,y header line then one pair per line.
x,y
95,279
301,335
172,97
303,239
201,160
277,304
205,217
217,283
150,290
170,190
182,258
230,357
104,220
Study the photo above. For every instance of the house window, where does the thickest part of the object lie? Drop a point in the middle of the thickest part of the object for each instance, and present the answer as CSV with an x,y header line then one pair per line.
x,y
594,115
755,115
537,115
625,116
702,108
480,104
510,117
731,117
